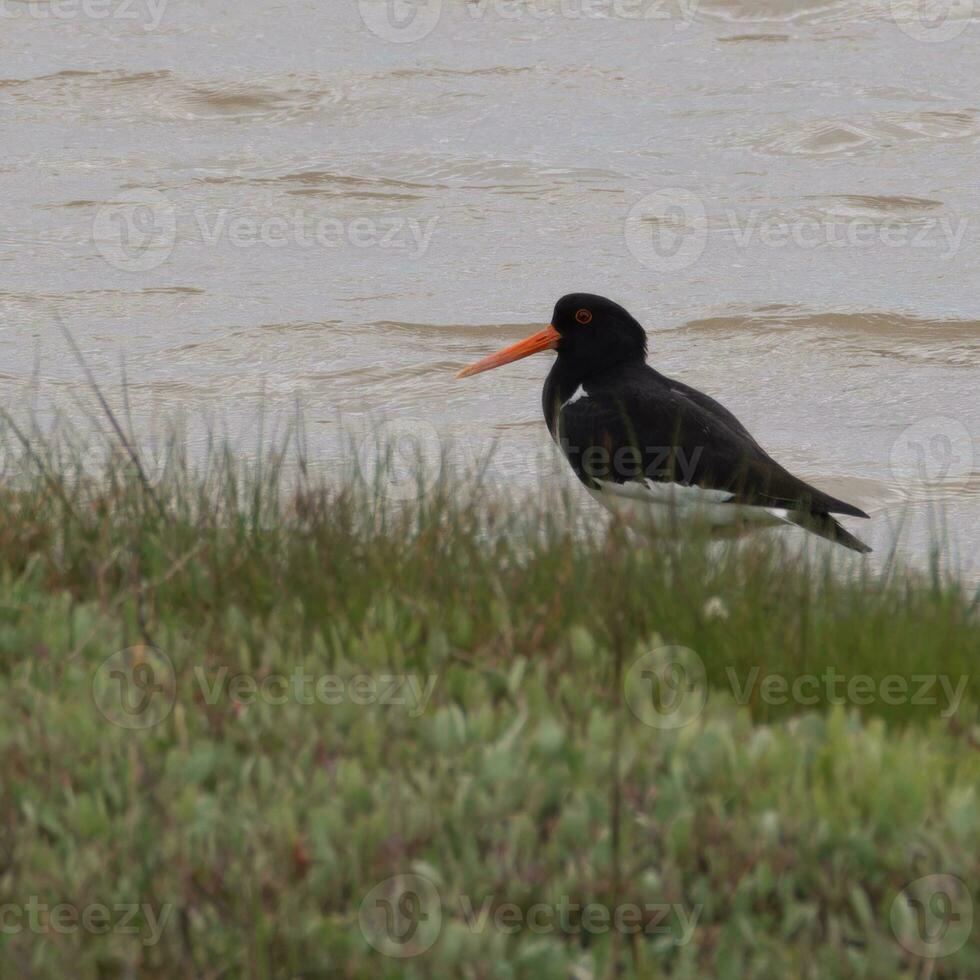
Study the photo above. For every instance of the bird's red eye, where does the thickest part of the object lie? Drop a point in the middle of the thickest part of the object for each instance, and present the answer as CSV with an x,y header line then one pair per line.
x,y
583,316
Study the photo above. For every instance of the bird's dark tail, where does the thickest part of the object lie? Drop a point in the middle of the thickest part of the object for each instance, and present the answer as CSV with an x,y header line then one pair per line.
x,y
825,526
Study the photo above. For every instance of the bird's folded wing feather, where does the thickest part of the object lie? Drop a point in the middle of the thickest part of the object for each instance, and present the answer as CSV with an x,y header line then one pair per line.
x,y
674,434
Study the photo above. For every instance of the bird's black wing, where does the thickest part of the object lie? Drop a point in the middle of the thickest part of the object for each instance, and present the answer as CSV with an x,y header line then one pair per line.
x,y
711,407
646,427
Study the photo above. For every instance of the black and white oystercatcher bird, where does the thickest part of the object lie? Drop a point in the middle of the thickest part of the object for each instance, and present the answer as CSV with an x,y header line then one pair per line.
x,y
652,449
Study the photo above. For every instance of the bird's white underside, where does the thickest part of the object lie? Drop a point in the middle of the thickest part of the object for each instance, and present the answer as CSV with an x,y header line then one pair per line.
x,y
660,505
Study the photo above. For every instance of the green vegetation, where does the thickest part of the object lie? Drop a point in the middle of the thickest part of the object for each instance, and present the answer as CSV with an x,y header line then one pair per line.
x,y
248,810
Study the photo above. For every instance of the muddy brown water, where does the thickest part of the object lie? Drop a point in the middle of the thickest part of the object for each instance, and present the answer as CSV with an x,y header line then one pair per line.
x,y
256,206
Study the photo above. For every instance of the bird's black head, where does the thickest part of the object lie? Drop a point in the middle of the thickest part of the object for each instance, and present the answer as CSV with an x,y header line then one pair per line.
x,y
595,334
589,332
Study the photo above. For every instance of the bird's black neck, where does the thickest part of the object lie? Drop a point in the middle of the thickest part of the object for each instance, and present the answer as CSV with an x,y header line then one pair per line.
x,y
557,389
564,379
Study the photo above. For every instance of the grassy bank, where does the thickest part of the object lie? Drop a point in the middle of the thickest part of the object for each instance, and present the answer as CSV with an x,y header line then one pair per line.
x,y
296,729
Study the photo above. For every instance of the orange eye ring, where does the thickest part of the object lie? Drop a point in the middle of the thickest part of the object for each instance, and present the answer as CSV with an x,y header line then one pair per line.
x,y
583,316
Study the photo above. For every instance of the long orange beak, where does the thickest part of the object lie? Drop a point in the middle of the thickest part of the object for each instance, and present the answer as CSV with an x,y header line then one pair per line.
x,y
546,339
